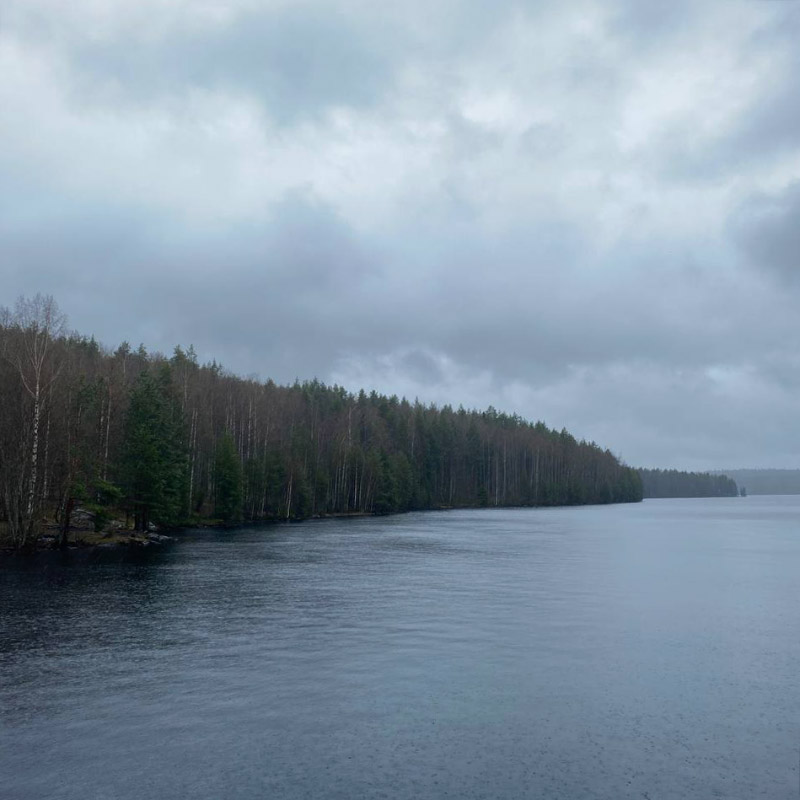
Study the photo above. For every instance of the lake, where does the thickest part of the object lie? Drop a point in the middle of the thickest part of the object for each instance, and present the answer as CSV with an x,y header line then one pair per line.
x,y
647,651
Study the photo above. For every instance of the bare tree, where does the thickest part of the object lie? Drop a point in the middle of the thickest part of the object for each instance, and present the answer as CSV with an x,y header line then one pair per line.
x,y
31,331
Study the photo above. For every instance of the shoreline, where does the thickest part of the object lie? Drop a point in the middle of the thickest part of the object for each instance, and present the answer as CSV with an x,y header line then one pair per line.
x,y
122,541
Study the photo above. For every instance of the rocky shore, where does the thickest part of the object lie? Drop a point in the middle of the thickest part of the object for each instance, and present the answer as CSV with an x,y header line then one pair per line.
x,y
84,535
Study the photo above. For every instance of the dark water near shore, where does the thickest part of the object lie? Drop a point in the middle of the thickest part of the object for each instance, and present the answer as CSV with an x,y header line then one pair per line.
x,y
648,651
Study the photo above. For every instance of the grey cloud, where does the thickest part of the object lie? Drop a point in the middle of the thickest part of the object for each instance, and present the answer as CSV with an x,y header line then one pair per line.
x,y
285,296
542,140
301,293
297,61
773,126
491,277
707,422
302,297
767,229
765,130
649,24
420,367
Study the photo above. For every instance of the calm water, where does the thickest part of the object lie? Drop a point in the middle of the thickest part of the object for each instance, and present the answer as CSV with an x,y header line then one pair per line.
x,y
648,651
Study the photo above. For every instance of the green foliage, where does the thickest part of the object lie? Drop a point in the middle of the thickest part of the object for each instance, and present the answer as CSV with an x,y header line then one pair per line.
x,y
387,492
78,491
227,481
302,499
276,476
107,496
153,464
107,493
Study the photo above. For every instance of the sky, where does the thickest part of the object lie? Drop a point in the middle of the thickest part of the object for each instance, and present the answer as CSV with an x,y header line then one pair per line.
x,y
587,213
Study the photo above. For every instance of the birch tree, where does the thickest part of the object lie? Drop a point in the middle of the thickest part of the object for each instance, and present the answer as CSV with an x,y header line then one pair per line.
x,y
32,332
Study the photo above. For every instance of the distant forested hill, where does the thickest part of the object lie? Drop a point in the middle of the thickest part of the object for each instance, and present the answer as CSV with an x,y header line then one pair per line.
x,y
169,440
673,483
767,481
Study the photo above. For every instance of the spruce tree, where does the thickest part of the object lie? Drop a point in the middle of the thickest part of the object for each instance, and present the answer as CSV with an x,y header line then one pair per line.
x,y
228,481
154,455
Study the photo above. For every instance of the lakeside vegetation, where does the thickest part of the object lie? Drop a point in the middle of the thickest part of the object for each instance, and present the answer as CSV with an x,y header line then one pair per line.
x,y
766,481
168,441
674,483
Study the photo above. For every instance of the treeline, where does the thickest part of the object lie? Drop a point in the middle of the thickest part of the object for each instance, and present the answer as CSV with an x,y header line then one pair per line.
x,y
170,441
767,481
673,483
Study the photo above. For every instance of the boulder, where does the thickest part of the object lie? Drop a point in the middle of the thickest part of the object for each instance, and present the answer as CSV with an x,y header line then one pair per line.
x,y
80,516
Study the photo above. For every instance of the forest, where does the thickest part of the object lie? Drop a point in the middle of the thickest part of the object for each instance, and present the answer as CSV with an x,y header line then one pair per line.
x,y
674,483
167,441
766,481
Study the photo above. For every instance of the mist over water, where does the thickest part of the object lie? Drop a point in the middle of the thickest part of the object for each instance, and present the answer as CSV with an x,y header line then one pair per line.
x,y
646,650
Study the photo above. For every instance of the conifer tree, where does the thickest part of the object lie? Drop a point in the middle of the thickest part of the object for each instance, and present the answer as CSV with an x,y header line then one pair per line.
x,y
228,481
153,457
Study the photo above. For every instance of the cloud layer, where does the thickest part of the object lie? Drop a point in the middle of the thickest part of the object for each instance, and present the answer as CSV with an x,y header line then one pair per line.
x,y
587,215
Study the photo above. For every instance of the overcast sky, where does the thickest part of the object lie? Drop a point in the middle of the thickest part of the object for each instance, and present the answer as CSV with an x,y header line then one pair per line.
x,y
585,212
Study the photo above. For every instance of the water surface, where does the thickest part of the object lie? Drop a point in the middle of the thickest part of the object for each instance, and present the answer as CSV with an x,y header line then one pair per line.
x,y
647,650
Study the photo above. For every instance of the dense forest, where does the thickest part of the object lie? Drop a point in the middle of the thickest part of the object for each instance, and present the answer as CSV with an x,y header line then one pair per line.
x,y
673,483
766,481
168,441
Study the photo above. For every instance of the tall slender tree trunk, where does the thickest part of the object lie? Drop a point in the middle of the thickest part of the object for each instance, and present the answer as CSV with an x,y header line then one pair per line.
x,y
108,435
37,410
45,474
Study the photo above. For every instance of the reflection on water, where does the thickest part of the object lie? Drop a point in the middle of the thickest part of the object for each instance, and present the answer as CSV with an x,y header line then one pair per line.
x,y
623,651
